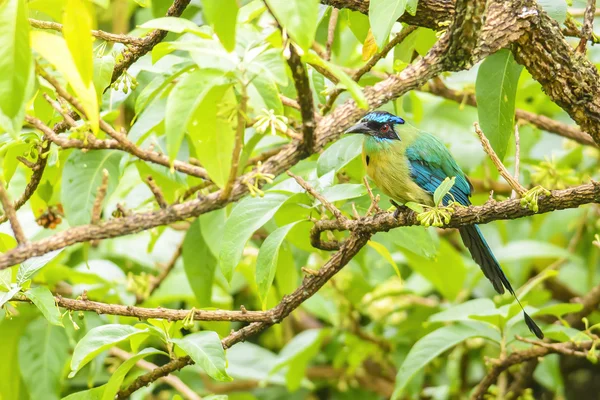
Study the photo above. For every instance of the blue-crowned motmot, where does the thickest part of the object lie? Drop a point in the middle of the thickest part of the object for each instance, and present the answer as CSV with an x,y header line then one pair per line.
x,y
408,165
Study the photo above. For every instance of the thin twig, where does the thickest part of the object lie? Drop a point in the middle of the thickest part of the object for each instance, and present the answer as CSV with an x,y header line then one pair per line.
x,y
556,347
68,119
588,26
158,195
331,32
513,195
306,186
156,281
239,143
29,164
170,380
374,199
99,200
107,36
499,166
305,98
11,214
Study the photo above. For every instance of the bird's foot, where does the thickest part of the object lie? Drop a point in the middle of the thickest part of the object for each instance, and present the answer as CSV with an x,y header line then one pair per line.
x,y
399,208
530,198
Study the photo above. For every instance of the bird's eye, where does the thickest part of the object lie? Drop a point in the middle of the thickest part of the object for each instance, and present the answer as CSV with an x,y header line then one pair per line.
x,y
385,128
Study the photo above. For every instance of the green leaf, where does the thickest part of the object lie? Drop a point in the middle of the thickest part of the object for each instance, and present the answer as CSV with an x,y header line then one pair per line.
x,y
54,49
434,344
266,262
269,93
382,16
417,239
6,296
270,65
81,178
532,249
206,350
116,379
249,215
495,90
298,17
462,312
176,25
447,272
15,83
213,134
352,87
385,253
199,264
44,301
339,154
32,265
103,68
344,191
99,339
558,310
43,352
296,355
91,394
77,28
222,16
443,190
183,101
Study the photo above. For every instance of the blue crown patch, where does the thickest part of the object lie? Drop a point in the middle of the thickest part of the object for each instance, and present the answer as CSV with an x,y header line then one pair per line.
x,y
383,117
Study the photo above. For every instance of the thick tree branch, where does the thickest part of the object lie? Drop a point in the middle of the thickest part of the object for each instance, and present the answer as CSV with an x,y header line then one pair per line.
x,y
491,211
305,99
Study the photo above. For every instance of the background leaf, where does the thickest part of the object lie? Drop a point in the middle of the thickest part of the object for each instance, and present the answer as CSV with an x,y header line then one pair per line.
x,y
382,16
81,178
298,17
222,15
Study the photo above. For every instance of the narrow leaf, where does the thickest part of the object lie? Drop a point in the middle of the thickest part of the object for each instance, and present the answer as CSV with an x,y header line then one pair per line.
x,y
266,262
117,377
32,265
15,82
44,301
249,215
434,344
99,339
495,90
298,17
206,350
222,15
199,264
382,16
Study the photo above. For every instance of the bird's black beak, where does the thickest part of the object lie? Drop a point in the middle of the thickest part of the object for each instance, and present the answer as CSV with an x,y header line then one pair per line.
x,y
360,127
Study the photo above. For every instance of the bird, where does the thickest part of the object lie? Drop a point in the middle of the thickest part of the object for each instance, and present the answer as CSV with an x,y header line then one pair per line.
x,y
408,165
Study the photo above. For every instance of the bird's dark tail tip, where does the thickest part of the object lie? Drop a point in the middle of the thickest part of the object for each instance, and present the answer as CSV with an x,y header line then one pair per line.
x,y
533,326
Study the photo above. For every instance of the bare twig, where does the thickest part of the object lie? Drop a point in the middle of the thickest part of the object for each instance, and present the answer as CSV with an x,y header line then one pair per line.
x,y
588,26
107,36
11,214
99,200
518,357
158,195
170,380
68,119
305,99
374,199
306,186
331,32
239,143
513,195
155,282
514,183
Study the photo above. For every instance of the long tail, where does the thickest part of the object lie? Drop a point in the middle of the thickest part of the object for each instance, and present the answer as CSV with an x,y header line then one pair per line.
x,y
483,256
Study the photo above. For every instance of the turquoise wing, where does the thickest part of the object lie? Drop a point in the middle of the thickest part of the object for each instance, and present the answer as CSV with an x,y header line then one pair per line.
x,y
431,162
